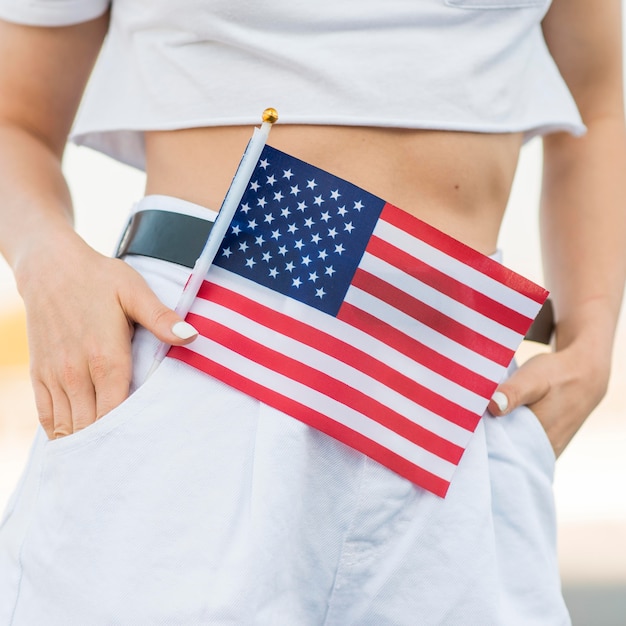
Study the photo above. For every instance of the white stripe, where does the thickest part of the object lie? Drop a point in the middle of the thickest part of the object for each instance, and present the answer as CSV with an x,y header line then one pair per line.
x,y
441,302
415,329
340,371
329,407
444,387
457,269
409,326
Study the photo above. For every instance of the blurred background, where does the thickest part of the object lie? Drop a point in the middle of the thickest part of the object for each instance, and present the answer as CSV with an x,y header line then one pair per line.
x,y
591,474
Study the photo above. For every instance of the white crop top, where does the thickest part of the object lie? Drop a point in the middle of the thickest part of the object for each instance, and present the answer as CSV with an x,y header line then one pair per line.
x,y
475,65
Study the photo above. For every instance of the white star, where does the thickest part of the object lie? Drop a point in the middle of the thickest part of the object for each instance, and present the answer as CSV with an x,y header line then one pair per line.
x,y
339,248
332,232
299,244
227,252
318,200
311,184
243,246
271,179
254,185
296,282
269,218
278,196
252,224
306,260
313,276
348,227
358,205
236,229
322,254
260,240
301,206
335,194
290,266
282,250
266,257
295,190
320,293
342,210
292,228
309,222
275,234
261,202
287,174
285,212
316,238
273,272
264,163
250,262
330,270
325,216
245,208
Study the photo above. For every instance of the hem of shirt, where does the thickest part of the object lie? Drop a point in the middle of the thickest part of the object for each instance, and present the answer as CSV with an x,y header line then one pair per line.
x,y
68,14
107,140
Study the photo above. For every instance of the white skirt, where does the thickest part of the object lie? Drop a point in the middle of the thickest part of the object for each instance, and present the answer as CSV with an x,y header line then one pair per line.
x,y
192,503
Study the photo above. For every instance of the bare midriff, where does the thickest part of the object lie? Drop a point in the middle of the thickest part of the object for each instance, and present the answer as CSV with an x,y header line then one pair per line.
x,y
456,181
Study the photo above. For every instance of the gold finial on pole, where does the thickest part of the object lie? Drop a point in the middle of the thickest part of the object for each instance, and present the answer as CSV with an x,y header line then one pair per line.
x,y
270,115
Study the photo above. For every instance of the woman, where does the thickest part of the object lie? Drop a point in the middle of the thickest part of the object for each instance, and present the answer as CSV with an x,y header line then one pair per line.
x,y
191,503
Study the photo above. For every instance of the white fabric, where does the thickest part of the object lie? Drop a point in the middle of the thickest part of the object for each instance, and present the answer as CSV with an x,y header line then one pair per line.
x,y
475,65
192,504
52,12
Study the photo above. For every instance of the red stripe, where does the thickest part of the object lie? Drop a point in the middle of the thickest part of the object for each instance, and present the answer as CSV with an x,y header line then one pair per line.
x,y
432,317
410,347
444,283
319,421
327,385
344,352
349,354
462,252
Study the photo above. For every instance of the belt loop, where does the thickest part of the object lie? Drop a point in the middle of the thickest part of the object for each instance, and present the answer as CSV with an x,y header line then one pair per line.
x,y
124,235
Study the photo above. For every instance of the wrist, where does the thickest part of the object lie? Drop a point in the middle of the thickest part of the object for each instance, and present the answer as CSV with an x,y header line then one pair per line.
x,y
589,327
586,363
52,250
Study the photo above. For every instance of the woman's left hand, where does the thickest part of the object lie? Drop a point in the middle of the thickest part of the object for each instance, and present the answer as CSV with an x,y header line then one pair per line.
x,y
560,388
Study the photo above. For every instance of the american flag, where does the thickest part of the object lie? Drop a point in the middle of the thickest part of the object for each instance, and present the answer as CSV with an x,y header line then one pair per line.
x,y
358,319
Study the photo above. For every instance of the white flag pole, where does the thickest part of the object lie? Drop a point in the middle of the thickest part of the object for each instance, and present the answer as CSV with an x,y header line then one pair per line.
x,y
222,222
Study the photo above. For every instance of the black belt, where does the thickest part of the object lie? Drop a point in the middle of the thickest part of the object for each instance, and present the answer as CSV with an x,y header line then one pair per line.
x,y
180,239
164,235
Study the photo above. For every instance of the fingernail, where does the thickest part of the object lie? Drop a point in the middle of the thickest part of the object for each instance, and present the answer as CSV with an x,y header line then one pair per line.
x,y
183,330
501,400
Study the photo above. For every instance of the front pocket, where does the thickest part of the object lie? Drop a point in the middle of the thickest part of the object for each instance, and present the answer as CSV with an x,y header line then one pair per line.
x,y
542,437
144,397
495,4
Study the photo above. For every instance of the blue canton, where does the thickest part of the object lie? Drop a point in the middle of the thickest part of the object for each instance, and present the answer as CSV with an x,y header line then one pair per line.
x,y
300,231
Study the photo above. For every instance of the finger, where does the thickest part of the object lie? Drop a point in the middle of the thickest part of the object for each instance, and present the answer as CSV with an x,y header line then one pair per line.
x,y
82,399
78,390
142,306
43,404
62,414
527,385
111,380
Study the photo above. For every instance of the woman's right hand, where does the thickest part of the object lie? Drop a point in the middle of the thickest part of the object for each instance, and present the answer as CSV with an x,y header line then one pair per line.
x,y
81,309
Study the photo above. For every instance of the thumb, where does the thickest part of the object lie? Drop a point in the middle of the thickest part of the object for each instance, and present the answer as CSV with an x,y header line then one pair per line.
x,y
142,306
527,385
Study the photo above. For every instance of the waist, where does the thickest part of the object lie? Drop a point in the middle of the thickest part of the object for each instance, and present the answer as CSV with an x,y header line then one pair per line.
x,y
459,182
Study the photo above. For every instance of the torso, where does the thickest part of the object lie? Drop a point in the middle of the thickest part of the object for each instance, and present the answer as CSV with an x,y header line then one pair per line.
x,y
457,181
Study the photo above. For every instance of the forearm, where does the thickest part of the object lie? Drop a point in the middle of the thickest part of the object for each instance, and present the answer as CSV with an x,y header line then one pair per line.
x,y
43,72
583,226
35,206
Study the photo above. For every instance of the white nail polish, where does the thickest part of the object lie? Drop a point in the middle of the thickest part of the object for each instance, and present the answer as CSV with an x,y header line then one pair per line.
x,y
501,400
183,330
